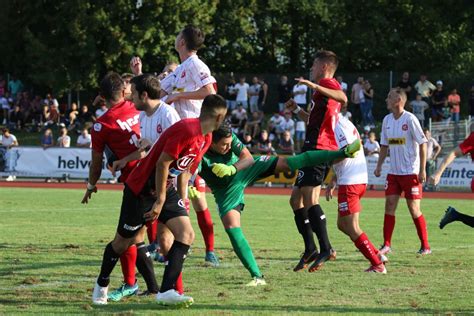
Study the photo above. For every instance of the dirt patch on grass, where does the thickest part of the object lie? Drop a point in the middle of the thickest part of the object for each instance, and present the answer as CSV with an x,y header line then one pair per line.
x,y
31,280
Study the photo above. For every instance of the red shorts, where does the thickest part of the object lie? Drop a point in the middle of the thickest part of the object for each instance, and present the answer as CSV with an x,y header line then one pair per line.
x,y
200,184
409,184
348,198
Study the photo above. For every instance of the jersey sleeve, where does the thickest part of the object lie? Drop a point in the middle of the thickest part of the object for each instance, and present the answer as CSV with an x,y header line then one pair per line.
x,y
175,142
167,83
98,133
171,117
383,136
416,130
467,146
330,83
201,74
236,145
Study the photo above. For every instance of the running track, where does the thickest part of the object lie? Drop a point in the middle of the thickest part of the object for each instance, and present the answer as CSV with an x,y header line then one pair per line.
x,y
250,190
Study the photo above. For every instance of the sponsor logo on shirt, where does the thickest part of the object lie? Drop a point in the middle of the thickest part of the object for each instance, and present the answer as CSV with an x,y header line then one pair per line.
x,y
396,141
405,127
97,127
203,75
127,124
185,161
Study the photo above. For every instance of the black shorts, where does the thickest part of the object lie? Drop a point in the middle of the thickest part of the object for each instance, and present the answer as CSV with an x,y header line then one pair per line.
x,y
311,176
134,207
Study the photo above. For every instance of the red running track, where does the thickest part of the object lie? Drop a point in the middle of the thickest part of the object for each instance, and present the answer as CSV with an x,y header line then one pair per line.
x,y
250,190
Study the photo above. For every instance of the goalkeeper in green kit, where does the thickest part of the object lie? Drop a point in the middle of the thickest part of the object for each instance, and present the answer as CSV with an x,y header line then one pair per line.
x,y
228,168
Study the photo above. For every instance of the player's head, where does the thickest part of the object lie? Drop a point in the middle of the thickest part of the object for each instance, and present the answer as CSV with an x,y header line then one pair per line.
x,y
222,139
418,97
396,99
372,136
112,88
427,132
213,111
145,87
324,65
190,38
126,77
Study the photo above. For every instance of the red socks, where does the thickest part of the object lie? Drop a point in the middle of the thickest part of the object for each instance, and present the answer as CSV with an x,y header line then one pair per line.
x,y
127,262
207,228
367,249
152,230
388,227
179,286
420,224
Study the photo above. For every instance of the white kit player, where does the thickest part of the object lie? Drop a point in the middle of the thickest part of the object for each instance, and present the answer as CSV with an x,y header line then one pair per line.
x,y
402,133
351,175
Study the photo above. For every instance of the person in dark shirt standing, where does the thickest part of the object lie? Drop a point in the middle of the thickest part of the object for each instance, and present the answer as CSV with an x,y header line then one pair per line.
x,y
284,93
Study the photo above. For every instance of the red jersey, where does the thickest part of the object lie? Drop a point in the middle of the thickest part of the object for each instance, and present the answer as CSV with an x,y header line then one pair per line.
x,y
467,146
323,118
118,130
184,142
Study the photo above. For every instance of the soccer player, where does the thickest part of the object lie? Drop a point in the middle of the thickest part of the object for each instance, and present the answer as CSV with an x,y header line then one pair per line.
x,y
352,178
326,104
228,168
117,133
155,117
150,194
402,133
466,147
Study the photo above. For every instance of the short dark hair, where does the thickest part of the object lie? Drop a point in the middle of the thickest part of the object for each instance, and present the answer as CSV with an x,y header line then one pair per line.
x,y
225,130
193,37
212,104
328,57
111,86
126,76
147,83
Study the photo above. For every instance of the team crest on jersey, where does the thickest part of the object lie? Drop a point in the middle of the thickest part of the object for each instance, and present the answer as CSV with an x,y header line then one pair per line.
x,y
185,161
159,129
97,127
405,127
183,74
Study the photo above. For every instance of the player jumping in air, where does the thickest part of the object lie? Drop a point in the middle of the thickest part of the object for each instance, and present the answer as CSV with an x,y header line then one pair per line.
x,y
228,168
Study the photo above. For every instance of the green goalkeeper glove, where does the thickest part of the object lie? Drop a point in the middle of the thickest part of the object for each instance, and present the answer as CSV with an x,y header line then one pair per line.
x,y
222,170
193,193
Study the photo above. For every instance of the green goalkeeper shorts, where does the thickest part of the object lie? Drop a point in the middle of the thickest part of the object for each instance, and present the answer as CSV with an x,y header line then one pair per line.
x,y
232,195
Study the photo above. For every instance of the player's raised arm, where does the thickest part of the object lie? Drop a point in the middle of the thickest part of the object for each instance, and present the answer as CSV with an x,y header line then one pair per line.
x,y
453,154
337,95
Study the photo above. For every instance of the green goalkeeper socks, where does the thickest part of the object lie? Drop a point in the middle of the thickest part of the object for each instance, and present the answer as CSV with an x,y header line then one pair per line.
x,y
243,251
313,158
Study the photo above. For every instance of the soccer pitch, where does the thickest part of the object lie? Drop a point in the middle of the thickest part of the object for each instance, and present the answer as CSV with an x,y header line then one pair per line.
x,y
51,248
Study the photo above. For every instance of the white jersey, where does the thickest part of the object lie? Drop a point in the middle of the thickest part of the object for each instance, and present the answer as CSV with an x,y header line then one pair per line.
x,y
350,170
191,75
403,136
151,127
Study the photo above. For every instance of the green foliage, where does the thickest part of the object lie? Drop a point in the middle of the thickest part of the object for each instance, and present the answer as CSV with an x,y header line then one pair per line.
x,y
66,45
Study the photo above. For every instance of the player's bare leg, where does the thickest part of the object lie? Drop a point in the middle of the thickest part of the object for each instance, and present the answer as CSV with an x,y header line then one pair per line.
x,y
231,221
391,202
420,223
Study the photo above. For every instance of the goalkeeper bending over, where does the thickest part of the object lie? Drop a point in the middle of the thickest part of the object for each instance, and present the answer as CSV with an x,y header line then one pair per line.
x,y
228,168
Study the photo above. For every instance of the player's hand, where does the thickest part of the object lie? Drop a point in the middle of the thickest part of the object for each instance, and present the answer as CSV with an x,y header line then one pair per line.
x,y
222,170
302,80
88,195
378,172
193,192
329,191
154,212
136,65
291,105
434,179
144,144
117,165
422,176
172,97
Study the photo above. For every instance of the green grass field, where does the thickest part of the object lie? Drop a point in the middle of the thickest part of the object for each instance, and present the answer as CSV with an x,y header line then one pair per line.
x,y
51,248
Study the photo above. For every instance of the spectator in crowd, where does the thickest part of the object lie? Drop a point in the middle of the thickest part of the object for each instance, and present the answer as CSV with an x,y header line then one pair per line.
x,y
284,93
254,91
345,113
248,142
433,149
299,94
101,110
439,100
8,141
262,95
47,140
405,84
418,108
50,100
300,133
425,88
471,102
84,140
51,114
3,86
288,124
36,109
5,102
242,89
366,99
264,145
454,102
286,145
238,119
254,124
85,116
169,68
15,86
231,94
274,125
71,115
372,146
17,118
64,140
25,105
342,83
354,108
